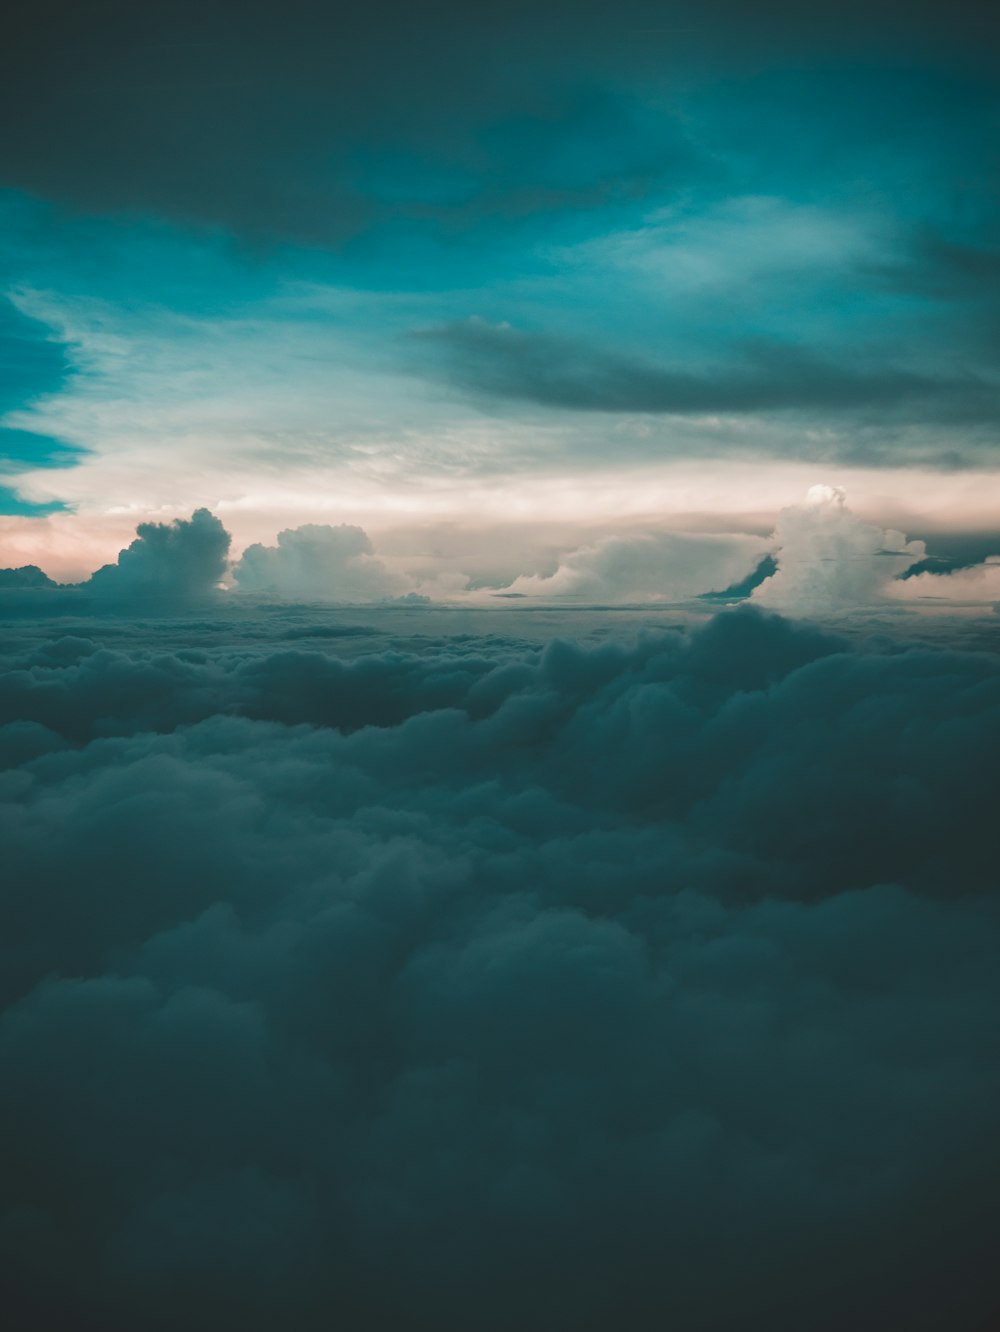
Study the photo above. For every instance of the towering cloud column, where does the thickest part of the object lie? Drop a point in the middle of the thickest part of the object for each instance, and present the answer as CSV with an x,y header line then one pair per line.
x,y
829,559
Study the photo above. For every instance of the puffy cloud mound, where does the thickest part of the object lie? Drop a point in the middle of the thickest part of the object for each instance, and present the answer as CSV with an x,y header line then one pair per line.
x,y
829,559
182,560
28,576
317,562
649,567
470,985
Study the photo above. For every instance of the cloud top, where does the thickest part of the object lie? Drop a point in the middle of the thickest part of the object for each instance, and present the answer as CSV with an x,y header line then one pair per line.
x,y
465,983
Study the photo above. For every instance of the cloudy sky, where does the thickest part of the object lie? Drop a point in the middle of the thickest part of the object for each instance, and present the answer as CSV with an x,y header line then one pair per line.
x,y
500,666
496,283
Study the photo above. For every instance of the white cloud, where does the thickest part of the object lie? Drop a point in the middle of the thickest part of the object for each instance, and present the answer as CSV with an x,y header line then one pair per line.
x,y
829,559
318,562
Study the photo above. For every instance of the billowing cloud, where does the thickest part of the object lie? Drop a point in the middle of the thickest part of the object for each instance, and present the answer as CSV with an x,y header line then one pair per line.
x,y
659,566
829,559
467,983
182,560
317,562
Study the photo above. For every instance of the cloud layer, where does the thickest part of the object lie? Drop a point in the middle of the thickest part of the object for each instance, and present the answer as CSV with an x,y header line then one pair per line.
x,y
461,983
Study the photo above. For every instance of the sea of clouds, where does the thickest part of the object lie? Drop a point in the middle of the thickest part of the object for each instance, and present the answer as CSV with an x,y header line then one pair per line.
x,y
398,969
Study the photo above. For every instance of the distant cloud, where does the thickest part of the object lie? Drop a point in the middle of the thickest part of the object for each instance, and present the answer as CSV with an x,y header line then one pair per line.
x,y
317,562
655,566
829,559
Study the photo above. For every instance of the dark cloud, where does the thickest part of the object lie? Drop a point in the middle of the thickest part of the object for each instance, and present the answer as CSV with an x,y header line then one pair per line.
x,y
498,361
279,120
468,985
265,118
174,561
27,576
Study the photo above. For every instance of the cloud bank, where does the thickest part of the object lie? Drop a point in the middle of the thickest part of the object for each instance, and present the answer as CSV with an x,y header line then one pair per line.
x,y
465,984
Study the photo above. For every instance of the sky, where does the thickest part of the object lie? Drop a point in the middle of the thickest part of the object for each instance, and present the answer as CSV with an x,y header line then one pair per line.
x,y
499,666
491,279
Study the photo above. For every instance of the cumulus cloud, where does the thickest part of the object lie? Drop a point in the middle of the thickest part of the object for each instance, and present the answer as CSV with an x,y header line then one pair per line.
x,y
317,562
182,560
463,983
655,566
829,559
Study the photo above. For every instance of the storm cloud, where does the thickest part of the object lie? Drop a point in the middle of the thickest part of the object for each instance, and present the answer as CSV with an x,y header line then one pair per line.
x,y
471,982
